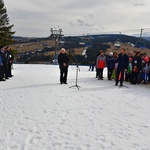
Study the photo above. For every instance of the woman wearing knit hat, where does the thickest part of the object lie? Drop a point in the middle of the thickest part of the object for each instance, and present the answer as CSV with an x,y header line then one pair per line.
x,y
110,65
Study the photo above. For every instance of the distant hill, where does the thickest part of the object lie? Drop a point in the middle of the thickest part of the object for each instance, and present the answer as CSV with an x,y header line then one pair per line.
x,y
44,48
19,39
147,38
78,41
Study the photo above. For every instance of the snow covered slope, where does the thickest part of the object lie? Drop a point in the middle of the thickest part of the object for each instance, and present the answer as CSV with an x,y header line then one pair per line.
x,y
37,113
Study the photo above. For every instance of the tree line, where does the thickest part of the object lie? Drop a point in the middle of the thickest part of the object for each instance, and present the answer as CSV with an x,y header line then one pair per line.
x,y
6,32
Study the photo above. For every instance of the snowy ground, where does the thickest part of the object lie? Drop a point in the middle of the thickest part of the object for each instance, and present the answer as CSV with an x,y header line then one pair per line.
x,y
37,113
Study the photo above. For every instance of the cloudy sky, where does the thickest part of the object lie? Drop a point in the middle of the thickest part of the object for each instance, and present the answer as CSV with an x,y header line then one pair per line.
x,y
34,18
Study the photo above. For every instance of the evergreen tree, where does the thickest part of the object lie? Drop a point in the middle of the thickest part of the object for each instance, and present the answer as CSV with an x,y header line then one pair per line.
x,y
5,28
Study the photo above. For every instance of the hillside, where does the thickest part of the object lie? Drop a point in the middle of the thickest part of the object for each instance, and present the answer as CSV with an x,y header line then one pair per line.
x,y
129,48
43,49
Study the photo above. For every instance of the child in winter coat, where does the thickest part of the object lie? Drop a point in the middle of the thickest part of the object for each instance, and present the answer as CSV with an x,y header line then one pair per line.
x,y
100,64
129,71
145,71
136,68
135,73
115,55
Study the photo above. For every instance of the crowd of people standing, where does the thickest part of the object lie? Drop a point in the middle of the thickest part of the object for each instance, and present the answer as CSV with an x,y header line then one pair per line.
x,y
134,68
6,61
122,66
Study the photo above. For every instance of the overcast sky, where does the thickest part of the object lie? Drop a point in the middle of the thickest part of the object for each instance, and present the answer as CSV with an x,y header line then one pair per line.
x,y
34,18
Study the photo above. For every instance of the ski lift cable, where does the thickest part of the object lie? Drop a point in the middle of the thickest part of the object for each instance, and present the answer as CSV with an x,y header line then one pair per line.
x,y
108,32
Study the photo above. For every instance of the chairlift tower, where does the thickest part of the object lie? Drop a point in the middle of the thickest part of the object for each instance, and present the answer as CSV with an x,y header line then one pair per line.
x,y
141,34
56,34
140,43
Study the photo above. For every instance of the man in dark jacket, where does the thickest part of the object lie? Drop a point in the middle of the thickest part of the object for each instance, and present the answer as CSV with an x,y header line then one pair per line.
x,y
123,62
10,61
4,56
63,61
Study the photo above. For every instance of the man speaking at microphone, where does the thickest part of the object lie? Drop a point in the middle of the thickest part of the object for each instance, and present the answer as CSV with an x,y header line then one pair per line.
x,y
63,61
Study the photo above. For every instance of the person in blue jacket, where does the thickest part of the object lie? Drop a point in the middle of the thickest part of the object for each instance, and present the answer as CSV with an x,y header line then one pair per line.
x,y
110,65
1,69
123,62
1,61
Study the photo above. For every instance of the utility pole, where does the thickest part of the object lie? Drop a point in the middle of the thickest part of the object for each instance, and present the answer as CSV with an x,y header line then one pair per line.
x,y
141,34
56,34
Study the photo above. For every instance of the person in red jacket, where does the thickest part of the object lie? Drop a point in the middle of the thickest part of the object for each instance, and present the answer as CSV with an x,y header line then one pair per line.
x,y
100,64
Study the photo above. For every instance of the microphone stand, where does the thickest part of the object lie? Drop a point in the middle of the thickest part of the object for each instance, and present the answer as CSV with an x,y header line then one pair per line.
x,y
77,70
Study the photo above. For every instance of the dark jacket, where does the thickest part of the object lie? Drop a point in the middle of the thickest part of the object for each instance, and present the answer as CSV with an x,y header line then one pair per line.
x,y
9,57
63,58
137,61
123,61
1,61
110,62
4,56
